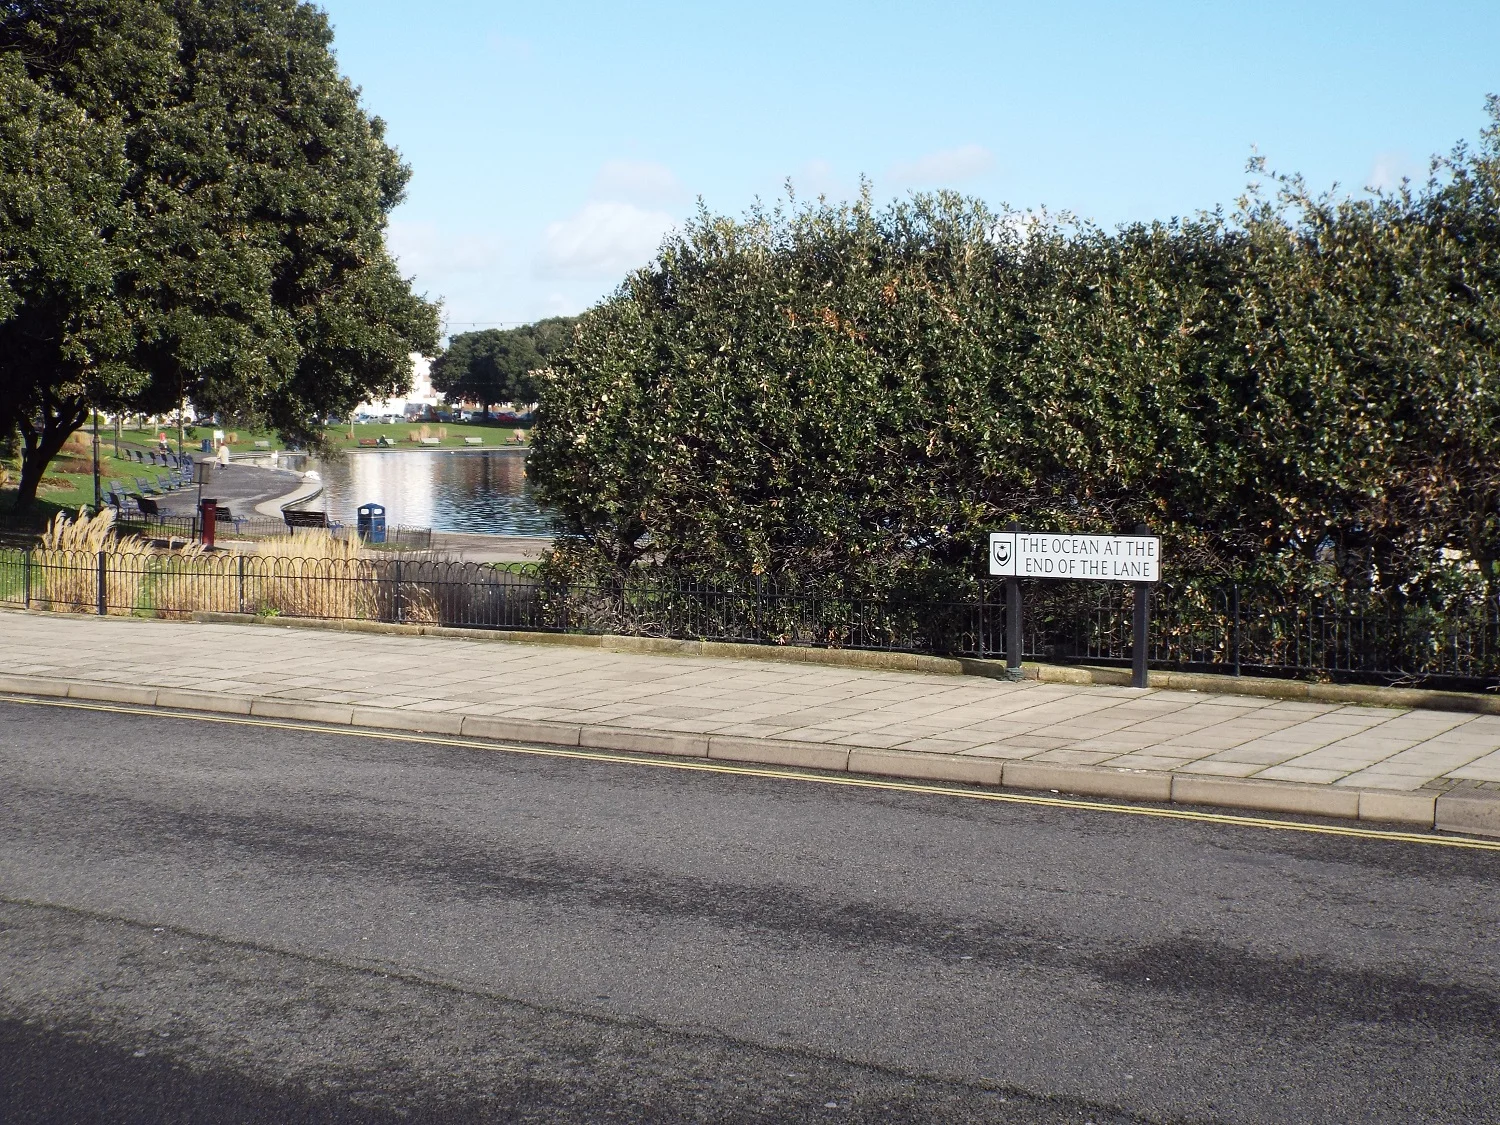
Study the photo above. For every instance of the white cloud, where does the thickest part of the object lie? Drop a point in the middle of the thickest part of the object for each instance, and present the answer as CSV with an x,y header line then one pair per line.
x,y
638,181
1389,169
603,237
432,254
947,166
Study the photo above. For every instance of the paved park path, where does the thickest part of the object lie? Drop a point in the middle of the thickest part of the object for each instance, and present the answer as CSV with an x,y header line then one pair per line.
x,y
238,487
1186,733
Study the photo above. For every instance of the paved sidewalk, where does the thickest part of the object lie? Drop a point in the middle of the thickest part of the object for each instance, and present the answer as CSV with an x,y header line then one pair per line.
x,y
1185,733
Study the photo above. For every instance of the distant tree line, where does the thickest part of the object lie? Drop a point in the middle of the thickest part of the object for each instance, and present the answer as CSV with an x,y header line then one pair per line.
x,y
192,208
500,365
1307,385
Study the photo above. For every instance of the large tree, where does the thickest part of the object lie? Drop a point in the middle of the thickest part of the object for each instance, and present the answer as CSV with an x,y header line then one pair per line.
x,y
192,207
497,365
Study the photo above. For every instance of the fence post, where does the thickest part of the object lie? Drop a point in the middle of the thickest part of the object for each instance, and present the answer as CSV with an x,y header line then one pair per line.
x,y
758,630
103,585
1236,595
983,619
27,569
241,568
1013,622
1139,676
398,600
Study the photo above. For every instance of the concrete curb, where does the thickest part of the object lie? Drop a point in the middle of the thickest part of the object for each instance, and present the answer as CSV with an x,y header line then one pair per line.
x,y
1471,812
1298,690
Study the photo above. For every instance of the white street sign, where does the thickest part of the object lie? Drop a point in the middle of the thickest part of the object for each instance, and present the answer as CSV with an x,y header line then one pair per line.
x,y
1107,558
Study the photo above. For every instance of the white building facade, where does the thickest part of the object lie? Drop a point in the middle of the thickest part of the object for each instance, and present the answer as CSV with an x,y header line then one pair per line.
x,y
419,397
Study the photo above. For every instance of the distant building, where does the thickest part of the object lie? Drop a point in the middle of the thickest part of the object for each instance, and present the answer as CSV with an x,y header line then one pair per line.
x,y
418,399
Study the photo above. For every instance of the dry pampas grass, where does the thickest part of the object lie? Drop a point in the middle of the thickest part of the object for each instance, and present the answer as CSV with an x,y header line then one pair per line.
x,y
66,565
308,573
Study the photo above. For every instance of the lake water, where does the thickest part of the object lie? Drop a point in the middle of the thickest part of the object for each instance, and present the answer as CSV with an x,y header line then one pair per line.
x,y
477,491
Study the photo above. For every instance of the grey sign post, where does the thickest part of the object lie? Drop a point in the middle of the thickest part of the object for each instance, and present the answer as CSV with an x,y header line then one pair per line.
x,y
1141,619
1012,606
1135,559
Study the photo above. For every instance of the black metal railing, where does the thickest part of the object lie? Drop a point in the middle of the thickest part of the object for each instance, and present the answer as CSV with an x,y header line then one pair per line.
x,y
1257,630
1226,629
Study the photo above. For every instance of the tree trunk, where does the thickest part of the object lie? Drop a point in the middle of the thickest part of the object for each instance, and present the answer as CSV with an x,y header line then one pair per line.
x,y
42,440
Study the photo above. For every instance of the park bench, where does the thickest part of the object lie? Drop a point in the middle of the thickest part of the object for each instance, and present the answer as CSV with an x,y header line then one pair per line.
x,y
145,487
147,506
119,499
296,518
369,441
263,445
473,441
222,514
431,441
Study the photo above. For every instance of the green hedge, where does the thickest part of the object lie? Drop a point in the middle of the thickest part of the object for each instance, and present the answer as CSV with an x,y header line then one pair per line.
x,y
1303,389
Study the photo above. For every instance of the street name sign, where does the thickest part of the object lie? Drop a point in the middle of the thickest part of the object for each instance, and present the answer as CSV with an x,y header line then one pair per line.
x,y
1105,558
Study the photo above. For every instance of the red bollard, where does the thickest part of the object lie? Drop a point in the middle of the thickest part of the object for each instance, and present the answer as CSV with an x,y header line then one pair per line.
x,y
208,518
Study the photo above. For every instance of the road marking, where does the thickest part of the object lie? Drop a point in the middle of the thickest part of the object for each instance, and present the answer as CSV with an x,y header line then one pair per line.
x,y
700,765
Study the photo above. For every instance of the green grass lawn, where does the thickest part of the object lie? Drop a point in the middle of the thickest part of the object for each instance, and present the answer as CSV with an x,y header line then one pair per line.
x,y
68,483
450,435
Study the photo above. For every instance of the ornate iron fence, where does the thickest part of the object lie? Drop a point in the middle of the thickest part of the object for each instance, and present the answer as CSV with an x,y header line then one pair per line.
x,y
1229,629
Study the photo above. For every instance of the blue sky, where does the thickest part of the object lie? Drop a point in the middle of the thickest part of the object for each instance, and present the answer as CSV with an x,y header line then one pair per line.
x,y
554,143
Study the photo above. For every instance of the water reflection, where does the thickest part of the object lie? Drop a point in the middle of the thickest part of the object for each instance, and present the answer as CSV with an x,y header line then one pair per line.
x,y
481,490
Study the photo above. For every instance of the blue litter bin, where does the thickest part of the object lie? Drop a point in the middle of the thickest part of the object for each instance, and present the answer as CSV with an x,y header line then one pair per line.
x,y
372,523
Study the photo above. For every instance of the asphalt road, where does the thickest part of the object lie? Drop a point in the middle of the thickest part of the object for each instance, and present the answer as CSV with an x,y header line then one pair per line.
x,y
211,922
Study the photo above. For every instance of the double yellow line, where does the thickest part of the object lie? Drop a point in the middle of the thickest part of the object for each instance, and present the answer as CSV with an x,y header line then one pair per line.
x,y
699,765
